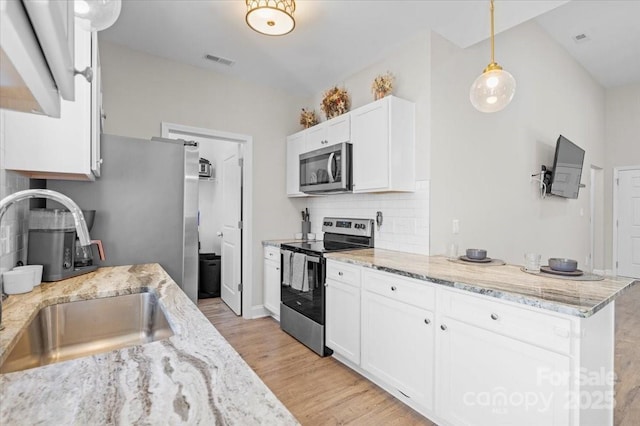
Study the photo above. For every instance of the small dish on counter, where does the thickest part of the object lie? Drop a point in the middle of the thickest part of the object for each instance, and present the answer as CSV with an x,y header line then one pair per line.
x,y
550,270
483,260
563,265
476,254
18,281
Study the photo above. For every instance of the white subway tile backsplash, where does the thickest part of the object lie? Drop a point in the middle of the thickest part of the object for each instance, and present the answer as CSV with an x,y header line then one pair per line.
x,y
405,216
14,226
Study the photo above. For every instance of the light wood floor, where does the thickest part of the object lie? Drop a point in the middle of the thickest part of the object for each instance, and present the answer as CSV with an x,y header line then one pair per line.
x,y
322,391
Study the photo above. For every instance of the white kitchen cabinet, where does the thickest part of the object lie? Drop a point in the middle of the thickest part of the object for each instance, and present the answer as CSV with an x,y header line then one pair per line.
x,y
343,310
398,339
383,138
462,358
330,132
60,148
271,274
37,55
485,378
296,145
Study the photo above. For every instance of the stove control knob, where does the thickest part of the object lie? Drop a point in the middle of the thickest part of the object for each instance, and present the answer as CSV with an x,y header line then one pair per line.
x,y
328,224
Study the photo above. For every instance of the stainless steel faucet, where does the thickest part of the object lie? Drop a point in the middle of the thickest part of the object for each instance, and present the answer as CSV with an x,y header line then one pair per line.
x,y
78,217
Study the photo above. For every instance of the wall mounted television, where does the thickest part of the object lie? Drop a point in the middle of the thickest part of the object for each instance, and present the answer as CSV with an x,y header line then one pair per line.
x,y
564,179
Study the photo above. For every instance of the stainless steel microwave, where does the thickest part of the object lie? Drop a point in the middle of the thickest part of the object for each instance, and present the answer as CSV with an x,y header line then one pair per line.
x,y
326,170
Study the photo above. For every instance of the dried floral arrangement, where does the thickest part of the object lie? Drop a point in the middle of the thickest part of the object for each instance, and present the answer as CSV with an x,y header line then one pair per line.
x,y
308,118
382,85
336,101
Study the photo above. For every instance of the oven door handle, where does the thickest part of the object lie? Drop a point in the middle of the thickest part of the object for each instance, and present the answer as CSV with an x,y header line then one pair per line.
x,y
313,259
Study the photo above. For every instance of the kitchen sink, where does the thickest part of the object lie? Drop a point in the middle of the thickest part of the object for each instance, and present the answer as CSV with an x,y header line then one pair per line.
x,y
88,327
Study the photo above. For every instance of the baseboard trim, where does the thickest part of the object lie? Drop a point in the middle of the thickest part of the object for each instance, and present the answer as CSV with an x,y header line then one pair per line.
x,y
257,311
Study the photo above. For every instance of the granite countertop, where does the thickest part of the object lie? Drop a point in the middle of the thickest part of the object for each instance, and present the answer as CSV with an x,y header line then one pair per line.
x,y
193,377
506,282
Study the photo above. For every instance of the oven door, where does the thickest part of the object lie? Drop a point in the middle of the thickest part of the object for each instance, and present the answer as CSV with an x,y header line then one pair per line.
x,y
326,169
310,301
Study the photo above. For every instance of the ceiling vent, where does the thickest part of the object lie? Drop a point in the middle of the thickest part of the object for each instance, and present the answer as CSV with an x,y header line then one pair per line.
x,y
219,60
581,38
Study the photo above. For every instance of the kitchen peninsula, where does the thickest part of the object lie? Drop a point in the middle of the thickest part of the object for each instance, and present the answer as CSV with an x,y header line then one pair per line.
x,y
475,344
193,377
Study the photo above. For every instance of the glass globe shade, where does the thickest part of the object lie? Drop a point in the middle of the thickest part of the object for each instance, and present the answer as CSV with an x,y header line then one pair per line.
x,y
97,15
492,90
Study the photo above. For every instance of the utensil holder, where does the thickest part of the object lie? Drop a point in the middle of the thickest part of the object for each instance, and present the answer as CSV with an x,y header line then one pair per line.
x,y
306,229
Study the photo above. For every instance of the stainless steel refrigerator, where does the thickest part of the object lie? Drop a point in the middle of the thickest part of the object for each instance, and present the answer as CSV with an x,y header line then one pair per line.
x,y
146,203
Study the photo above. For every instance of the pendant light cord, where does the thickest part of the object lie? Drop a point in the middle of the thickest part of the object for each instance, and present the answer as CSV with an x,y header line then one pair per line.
x,y
492,36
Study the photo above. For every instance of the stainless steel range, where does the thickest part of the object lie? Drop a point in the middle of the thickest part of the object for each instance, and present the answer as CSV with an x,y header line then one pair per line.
x,y
302,307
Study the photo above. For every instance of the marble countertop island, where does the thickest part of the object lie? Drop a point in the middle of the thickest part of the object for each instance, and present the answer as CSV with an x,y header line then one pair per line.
x,y
506,282
193,377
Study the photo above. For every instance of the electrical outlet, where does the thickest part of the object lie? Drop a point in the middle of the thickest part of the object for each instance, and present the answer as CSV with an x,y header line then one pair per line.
x,y
455,226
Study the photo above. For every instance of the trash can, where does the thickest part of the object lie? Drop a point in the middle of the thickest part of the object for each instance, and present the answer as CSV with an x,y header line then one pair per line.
x,y
209,276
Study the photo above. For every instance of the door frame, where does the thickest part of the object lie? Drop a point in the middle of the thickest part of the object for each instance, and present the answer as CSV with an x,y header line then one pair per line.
x,y
171,130
616,173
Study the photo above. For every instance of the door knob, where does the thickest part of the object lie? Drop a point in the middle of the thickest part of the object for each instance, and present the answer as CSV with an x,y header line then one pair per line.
x,y
219,234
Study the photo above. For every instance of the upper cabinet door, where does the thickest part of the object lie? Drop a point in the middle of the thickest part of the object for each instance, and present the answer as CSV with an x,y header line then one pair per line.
x,y
371,147
58,148
53,23
36,55
383,138
330,132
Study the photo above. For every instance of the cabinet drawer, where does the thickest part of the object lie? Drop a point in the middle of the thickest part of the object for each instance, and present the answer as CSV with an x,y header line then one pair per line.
x,y
272,253
539,328
343,272
407,290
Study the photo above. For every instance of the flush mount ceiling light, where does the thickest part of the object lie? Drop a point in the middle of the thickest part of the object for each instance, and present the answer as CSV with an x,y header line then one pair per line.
x,y
98,14
271,17
495,87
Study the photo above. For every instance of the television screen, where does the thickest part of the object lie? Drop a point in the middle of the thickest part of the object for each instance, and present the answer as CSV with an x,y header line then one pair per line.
x,y
567,169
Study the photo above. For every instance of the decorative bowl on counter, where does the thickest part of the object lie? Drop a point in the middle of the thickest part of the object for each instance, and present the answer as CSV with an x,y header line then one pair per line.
x,y
564,265
476,254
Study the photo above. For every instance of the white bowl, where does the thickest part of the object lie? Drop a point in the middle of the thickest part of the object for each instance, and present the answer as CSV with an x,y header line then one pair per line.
x,y
16,282
37,272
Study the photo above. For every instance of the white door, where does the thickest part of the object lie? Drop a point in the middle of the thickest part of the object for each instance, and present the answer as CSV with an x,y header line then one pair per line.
x,y
629,223
231,285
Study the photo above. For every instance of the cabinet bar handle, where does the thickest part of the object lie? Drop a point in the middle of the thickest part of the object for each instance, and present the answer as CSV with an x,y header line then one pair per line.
x,y
443,327
427,321
494,317
393,288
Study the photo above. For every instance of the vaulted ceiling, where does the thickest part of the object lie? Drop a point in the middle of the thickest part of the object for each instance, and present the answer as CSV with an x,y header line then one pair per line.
x,y
334,39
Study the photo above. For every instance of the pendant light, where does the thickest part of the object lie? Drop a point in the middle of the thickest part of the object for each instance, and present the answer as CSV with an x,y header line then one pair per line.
x,y
97,15
495,87
271,17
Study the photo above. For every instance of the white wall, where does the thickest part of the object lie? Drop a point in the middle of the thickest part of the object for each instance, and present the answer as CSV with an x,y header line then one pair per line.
x,y
622,145
481,162
141,91
210,196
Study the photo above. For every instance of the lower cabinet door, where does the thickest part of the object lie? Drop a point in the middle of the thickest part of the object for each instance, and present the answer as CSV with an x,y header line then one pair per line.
x,y
272,286
343,320
398,346
485,378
